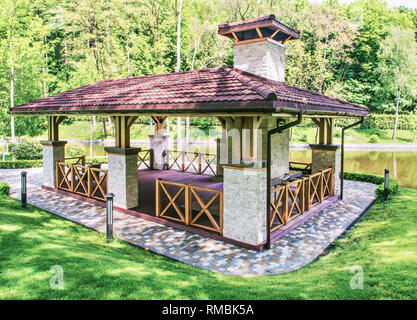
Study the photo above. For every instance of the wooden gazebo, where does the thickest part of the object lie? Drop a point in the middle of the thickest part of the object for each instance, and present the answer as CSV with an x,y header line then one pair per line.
x,y
255,108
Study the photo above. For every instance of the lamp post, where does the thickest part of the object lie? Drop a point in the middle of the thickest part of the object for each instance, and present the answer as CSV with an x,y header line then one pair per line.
x,y
386,184
109,217
23,188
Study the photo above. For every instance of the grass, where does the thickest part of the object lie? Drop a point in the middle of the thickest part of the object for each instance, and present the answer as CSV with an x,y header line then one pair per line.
x,y
384,244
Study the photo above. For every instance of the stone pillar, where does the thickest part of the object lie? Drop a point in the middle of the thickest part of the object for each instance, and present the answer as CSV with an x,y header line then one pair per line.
x,y
244,204
325,156
123,176
159,145
264,59
53,151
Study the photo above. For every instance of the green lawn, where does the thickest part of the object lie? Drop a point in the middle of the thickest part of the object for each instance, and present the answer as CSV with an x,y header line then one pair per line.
x,y
384,244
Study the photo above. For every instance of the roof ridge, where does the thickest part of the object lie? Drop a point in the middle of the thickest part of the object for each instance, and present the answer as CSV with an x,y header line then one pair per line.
x,y
264,90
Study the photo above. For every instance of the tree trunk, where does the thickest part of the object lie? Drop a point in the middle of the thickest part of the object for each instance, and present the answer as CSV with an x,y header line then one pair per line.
x,y
11,71
108,40
91,136
129,71
66,58
177,67
179,133
187,130
104,127
396,113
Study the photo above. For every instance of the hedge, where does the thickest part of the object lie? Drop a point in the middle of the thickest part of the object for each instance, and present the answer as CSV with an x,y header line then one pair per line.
x,y
21,164
375,179
374,121
4,188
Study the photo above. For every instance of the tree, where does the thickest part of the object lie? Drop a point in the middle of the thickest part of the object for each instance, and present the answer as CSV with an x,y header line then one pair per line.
x,y
397,68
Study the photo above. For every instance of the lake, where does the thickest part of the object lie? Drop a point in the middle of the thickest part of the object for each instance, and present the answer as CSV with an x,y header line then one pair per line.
x,y
402,165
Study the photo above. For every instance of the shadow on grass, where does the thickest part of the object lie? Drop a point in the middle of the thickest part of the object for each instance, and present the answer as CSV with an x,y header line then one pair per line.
x,y
33,241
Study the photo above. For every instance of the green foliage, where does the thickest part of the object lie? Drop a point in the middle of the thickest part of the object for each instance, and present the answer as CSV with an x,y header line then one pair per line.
x,y
375,179
4,188
374,121
96,160
26,149
364,177
21,164
344,49
373,139
204,123
304,138
74,149
393,187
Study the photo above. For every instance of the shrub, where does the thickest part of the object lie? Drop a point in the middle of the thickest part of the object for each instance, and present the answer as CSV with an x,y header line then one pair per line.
x,y
392,188
364,177
375,121
26,149
74,149
96,160
375,179
373,139
20,164
304,138
4,188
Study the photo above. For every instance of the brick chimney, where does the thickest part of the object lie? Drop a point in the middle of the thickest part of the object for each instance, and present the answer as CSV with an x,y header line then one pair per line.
x,y
260,45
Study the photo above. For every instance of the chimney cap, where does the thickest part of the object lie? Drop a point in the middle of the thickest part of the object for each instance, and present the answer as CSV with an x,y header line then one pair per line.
x,y
258,29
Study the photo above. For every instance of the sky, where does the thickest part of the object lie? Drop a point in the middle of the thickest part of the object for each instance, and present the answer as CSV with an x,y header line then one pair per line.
x,y
391,3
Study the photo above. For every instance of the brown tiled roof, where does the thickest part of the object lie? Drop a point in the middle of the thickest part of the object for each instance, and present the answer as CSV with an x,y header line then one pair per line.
x,y
268,26
217,90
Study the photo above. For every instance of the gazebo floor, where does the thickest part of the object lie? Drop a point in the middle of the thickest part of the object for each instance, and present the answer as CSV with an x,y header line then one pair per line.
x,y
146,184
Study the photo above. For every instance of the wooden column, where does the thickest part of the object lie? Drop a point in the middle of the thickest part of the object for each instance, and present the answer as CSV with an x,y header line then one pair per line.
x,y
159,124
240,124
329,130
325,126
53,127
122,126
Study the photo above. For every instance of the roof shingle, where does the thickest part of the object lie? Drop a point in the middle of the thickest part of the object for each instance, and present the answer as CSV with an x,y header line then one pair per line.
x,y
221,88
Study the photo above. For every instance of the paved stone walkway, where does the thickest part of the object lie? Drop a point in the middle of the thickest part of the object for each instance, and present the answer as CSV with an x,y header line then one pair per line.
x,y
295,250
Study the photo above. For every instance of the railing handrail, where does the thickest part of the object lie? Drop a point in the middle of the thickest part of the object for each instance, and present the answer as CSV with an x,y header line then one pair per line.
x,y
89,173
196,160
190,192
310,187
80,158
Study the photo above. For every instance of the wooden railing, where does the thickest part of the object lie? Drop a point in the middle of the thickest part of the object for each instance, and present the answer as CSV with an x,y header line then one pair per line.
x,y
190,205
195,162
145,157
86,181
79,160
293,199
301,166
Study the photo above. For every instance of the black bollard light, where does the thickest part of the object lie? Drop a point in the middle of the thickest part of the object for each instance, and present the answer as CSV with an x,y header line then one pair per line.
x,y
386,184
23,188
109,216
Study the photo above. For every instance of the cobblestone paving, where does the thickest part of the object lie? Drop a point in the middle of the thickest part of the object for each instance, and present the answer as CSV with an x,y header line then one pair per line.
x,y
295,250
